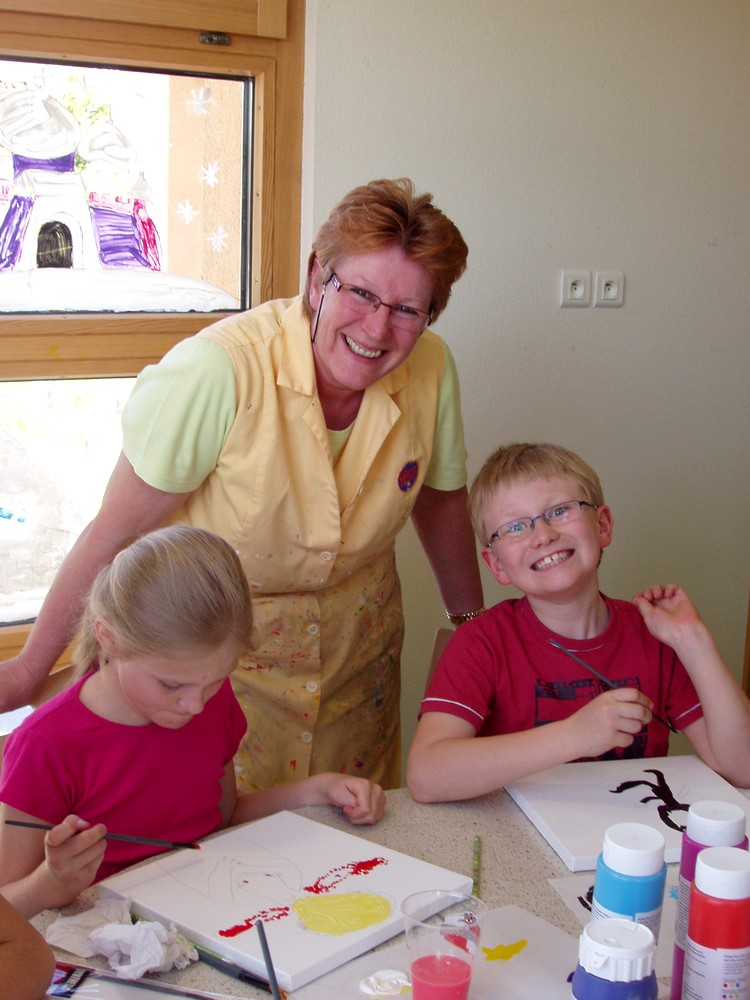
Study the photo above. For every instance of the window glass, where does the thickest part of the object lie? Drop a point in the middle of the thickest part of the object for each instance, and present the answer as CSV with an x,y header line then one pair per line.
x,y
122,190
59,441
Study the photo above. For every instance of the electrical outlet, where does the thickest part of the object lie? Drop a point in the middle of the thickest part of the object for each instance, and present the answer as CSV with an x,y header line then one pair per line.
x,y
609,288
575,288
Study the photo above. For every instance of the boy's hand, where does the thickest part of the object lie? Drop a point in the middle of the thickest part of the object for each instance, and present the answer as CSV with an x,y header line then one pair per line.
x,y
361,800
612,719
669,614
73,851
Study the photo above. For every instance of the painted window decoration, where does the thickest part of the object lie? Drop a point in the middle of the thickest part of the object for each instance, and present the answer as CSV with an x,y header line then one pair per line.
x,y
122,190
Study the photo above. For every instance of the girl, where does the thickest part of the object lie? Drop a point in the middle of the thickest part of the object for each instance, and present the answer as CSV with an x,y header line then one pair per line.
x,y
143,742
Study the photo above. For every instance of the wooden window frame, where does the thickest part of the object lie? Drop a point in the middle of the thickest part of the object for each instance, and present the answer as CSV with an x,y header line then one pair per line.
x,y
78,345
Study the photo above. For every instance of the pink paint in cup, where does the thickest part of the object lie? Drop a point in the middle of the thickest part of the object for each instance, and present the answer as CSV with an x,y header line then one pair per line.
x,y
443,931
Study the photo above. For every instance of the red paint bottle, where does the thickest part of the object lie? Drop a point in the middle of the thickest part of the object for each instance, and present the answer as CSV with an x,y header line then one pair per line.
x,y
717,953
709,824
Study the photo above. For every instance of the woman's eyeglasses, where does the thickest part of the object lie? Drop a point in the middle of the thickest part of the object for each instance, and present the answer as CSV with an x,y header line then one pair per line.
x,y
361,301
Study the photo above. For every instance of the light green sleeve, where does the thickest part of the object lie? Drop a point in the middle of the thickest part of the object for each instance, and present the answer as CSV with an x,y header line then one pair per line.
x,y
447,469
178,416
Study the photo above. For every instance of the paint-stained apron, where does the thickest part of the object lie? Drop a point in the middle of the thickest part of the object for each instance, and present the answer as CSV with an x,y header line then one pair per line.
x,y
321,687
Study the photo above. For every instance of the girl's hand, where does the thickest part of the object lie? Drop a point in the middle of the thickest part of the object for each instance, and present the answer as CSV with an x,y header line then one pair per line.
x,y
73,851
361,800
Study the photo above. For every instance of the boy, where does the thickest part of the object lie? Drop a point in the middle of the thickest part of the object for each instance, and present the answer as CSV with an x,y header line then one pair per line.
x,y
508,676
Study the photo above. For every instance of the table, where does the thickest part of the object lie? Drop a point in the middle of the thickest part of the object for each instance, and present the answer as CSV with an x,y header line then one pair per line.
x,y
516,865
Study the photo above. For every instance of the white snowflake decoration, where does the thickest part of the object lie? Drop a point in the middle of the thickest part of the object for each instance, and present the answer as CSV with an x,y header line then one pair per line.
x,y
200,100
218,239
186,212
210,174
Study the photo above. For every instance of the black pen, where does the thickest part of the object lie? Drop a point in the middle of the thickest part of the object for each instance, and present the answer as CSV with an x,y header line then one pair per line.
x,y
229,968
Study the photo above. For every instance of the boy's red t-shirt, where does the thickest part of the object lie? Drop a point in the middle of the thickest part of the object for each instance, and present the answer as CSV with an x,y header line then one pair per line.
x,y
502,674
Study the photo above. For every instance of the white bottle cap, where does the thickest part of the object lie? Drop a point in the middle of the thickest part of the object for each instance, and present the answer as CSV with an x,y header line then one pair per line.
x,y
633,849
716,824
617,950
723,872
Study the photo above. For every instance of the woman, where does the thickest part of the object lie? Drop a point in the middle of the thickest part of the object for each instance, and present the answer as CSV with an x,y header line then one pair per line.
x,y
306,432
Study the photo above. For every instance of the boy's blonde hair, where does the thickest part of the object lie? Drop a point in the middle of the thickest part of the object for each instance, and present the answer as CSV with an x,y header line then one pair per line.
x,y
174,588
531,461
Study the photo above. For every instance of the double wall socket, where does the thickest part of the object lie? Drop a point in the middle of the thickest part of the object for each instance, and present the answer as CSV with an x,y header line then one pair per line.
x,y
576,288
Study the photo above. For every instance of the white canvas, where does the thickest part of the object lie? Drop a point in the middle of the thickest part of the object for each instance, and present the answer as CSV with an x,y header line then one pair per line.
x,y
573,804
277,869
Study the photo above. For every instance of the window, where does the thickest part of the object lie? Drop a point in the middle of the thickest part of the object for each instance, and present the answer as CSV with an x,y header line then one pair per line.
x,y
255,49
123,190
59,439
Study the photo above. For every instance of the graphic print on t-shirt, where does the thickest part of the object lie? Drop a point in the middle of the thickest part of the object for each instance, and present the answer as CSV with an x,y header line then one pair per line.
x,y
552,703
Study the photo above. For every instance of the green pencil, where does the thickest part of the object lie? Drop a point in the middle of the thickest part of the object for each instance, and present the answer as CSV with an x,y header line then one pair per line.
x,y
476,864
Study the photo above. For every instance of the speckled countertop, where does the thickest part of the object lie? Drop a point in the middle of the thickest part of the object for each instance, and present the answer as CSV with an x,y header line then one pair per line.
x,y
516,865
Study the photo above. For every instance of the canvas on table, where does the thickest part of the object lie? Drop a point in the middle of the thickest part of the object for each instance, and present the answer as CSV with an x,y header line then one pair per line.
x,y
573,804
324,896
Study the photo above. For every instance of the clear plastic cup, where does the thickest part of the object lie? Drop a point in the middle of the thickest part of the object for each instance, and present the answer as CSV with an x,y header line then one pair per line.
x,y
443,931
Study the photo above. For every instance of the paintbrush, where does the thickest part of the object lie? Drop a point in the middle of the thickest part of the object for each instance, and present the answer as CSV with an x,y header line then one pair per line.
x,y
605,680
151,841
267,959
86,974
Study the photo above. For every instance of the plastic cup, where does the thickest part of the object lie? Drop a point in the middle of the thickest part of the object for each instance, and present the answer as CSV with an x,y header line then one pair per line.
x,y
443,931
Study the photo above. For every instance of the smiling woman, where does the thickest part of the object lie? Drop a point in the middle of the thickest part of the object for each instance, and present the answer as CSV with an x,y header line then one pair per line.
x,y
307,432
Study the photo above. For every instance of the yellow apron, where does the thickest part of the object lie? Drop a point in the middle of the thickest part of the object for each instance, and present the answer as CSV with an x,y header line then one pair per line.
x,y
321,687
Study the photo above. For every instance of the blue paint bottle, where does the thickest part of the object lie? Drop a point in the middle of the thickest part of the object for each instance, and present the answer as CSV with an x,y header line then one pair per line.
x,y
615,962
631,875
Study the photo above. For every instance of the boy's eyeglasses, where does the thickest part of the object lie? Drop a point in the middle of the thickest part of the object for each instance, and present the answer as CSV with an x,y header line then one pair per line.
x,y
557,515
361,301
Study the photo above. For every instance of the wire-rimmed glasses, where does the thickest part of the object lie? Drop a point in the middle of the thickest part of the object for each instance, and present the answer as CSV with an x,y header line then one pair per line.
x,y
555,516
362,301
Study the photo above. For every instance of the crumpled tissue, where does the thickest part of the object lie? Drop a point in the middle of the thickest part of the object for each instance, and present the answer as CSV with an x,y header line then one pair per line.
x,y
132,949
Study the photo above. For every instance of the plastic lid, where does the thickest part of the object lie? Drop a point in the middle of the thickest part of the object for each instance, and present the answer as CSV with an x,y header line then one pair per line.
x,y
617,950
723,872
633,849
716,824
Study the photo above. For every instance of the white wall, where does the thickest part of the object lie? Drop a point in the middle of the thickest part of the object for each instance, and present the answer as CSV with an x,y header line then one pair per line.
x,y
578,134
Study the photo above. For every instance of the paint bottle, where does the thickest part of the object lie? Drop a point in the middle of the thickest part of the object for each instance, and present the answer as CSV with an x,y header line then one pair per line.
x,y
709,824
631,875
717,951
615,962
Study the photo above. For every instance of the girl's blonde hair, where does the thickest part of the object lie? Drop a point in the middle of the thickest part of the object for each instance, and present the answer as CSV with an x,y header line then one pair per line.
x,y
387,212
174,588
531,461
